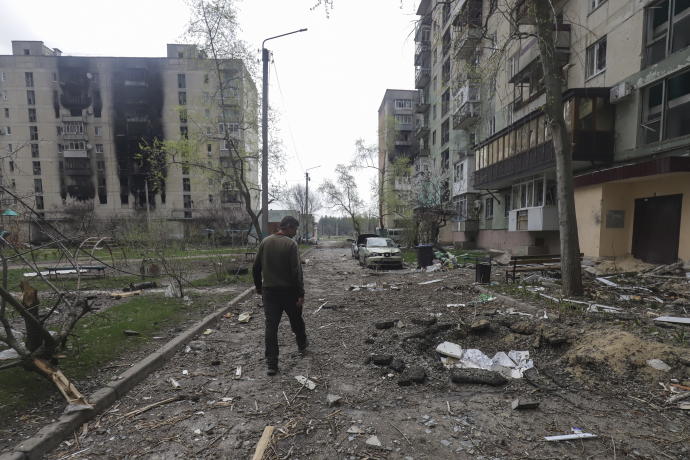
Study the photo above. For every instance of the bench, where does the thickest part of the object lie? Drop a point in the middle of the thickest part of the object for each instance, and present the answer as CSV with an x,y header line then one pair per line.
x,y
249,256
85,270
538,263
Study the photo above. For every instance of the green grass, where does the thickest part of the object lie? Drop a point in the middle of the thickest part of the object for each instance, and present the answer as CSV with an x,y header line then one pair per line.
x,y
16,275
213,281
98,339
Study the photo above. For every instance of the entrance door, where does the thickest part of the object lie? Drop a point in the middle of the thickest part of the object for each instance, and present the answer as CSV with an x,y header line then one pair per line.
x,y
656,229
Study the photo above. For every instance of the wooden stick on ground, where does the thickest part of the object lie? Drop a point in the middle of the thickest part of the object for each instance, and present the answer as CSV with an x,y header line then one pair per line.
x,y
264,442
153,405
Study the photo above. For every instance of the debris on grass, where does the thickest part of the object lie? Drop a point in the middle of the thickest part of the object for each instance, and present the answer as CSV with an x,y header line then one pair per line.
x,y
244,317
305,382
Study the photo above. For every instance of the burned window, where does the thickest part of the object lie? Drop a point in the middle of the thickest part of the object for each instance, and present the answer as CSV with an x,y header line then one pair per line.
x,y
677,114
39,202
34,150
30,97
181,81
38,186
32,115
667,29
33,133
37,168
186,185
29,79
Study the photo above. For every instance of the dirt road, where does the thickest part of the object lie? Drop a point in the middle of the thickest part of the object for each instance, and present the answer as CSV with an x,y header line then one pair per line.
x,y
221,416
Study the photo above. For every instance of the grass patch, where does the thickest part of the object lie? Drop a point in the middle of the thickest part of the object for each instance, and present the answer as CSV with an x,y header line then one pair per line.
x,y
16,275
98,340
213,281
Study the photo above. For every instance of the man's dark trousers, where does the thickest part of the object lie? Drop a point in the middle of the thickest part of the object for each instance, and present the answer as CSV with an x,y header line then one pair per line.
x,y
277,300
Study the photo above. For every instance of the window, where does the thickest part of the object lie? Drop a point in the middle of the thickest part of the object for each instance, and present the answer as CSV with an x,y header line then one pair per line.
x,y
33,133
54,76
506,204
27,52
29,78
100,165
183,116
209,149
38,186
180,54
181,81
445,160
39,202
182,98
61,147
98,131
184,132
58,130
34,150
30,97
445,102
7,113
37,168
11,166
73,127
8,130
594,4
185,170
433,137
667,29
596,58
445,132
205,79
666,109
3,76
489,208
187,201
403,103
186,185
32,115
99,148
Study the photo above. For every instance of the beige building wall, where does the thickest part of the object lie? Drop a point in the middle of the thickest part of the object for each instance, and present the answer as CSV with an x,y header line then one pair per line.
x,y
593,203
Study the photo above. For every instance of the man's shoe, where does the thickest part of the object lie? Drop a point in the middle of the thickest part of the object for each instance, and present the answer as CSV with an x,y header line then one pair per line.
x,y
271,370
302,349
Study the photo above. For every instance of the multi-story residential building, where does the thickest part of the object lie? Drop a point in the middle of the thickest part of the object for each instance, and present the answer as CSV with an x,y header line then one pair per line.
x,y
397,148
73,129
627,71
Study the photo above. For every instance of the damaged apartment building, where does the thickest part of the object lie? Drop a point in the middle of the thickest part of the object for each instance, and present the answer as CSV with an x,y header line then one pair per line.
x,y
74,131
482,131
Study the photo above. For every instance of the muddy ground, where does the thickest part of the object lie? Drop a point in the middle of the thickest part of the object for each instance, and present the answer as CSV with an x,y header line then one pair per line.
x,y
590,374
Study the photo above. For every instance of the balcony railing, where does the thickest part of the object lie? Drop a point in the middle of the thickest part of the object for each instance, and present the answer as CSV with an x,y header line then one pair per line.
x,y
467,40
421,78
466,115
422,103
422,52
533,161
467,12
75,154
422,30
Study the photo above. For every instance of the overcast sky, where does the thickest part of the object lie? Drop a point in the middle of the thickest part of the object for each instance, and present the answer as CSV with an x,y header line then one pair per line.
x,y
326,83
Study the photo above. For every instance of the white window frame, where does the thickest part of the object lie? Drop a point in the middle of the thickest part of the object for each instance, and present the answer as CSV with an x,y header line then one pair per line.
x,y
591,58
99,148
98,131
403,103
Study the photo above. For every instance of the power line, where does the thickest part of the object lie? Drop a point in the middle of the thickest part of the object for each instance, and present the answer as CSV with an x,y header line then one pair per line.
x,y
287,116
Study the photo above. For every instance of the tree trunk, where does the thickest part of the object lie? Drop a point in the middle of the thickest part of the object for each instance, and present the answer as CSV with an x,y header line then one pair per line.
x,y
553,81
382,176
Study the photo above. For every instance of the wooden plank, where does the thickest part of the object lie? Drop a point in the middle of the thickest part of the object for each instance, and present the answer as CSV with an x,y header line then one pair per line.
x,y
264,442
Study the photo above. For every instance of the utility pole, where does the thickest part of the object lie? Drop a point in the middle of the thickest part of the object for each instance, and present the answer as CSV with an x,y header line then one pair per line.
x,y
306,201
148,207
265,54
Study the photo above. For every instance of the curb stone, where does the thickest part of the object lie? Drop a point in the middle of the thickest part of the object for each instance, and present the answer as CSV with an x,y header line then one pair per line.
x,y
50,436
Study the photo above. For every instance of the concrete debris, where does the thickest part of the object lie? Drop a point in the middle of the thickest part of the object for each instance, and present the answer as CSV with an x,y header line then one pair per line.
x,y
481,376
522,327
8,354
333,400
244,317
305,382
238,373
598,308
522,403
455,305
480,325
175,384
354,429
433,268
373,441
607,282
658,365
415,374
397,365
208,332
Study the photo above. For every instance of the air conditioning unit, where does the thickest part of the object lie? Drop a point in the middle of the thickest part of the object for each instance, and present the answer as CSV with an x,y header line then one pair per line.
x,y
89,146
620,91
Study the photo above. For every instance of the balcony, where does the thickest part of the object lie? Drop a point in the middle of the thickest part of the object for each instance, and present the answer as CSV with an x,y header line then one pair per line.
x,y
422,52
421,77
468,225
75,154
402,184
78,171
422,130
422,30
529,54
466,115
522,148
467,40
422,102
468,12
73,119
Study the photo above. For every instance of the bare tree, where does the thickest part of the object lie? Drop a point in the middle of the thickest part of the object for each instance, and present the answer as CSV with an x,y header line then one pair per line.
x,y
342,194
296,196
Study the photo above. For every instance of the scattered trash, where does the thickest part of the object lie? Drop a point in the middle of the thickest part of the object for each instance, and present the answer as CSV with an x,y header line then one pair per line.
x,y
433,268
172,291
455,305
482,376
486,298
228,315
597,308
185,372
684,406
238,373
673,319
522,403
658,365
208,332
318,309
8,354
511,365
431,281
244,317
175,384
140,286
305,382
607,282
577,434
373,441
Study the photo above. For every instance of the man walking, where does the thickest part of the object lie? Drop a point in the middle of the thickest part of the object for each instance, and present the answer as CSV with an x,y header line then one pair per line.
x,y
277,276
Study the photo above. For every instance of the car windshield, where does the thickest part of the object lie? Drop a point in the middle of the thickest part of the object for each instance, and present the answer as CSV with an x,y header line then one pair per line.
x,y
380,243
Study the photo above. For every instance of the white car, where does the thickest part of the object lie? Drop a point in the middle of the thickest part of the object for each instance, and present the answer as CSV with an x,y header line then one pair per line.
x,y
380,252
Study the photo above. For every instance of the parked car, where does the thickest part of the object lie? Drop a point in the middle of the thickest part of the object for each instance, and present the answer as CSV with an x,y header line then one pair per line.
x,y
357,243
380,252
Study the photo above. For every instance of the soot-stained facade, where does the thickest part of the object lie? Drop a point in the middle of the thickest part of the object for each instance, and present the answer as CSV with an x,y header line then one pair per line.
x,y
76,135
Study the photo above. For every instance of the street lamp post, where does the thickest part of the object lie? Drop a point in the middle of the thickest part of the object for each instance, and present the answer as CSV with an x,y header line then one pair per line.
x,y
264,133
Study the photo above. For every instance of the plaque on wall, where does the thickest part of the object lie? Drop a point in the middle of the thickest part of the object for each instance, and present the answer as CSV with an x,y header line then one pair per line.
x,y
615,219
